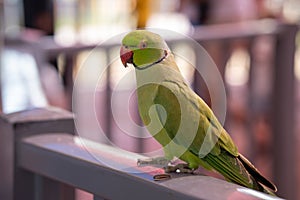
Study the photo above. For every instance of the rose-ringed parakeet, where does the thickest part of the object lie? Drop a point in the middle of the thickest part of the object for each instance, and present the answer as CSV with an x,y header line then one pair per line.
x,y
178,118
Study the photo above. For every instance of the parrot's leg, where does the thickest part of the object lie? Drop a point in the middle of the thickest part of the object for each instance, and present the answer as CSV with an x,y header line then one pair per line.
x,y
157,161
179,168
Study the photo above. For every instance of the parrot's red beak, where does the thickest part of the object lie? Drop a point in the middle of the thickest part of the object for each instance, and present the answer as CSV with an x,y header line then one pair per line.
x,y
126,56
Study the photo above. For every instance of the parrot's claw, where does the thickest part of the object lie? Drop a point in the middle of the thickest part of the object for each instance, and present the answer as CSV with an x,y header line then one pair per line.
x,y
179,168
158,161
161,177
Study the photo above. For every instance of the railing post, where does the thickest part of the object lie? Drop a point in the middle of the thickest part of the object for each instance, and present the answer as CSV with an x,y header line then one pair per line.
x,y
1,47
108,112
284,138
17,183
68,76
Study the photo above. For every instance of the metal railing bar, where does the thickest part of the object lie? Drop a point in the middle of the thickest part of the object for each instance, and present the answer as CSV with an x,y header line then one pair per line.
x,y
230,31
60,157
65,162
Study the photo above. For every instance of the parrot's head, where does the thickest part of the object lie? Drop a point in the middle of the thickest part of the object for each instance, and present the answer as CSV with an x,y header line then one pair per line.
x,y
143,49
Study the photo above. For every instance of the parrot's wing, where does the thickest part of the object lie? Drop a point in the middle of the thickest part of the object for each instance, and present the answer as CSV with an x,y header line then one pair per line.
x,y
177,97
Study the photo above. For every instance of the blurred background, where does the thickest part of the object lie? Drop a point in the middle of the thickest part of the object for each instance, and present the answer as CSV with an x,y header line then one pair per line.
x,y
46,44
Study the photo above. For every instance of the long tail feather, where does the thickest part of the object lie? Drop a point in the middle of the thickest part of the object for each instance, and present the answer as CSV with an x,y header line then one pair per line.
x,y
240,171
256,174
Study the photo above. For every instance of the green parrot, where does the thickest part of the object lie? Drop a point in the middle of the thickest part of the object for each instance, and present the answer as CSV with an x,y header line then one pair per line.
x,y
178,118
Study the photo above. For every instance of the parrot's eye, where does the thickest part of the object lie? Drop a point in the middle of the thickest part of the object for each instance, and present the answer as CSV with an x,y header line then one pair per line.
x,y
143,44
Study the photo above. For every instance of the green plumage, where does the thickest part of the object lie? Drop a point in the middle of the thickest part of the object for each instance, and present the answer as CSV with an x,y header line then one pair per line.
x,y
179,119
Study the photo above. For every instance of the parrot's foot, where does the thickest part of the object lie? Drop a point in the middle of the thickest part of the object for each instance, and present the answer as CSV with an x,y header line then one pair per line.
x,y
157,161
179,168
